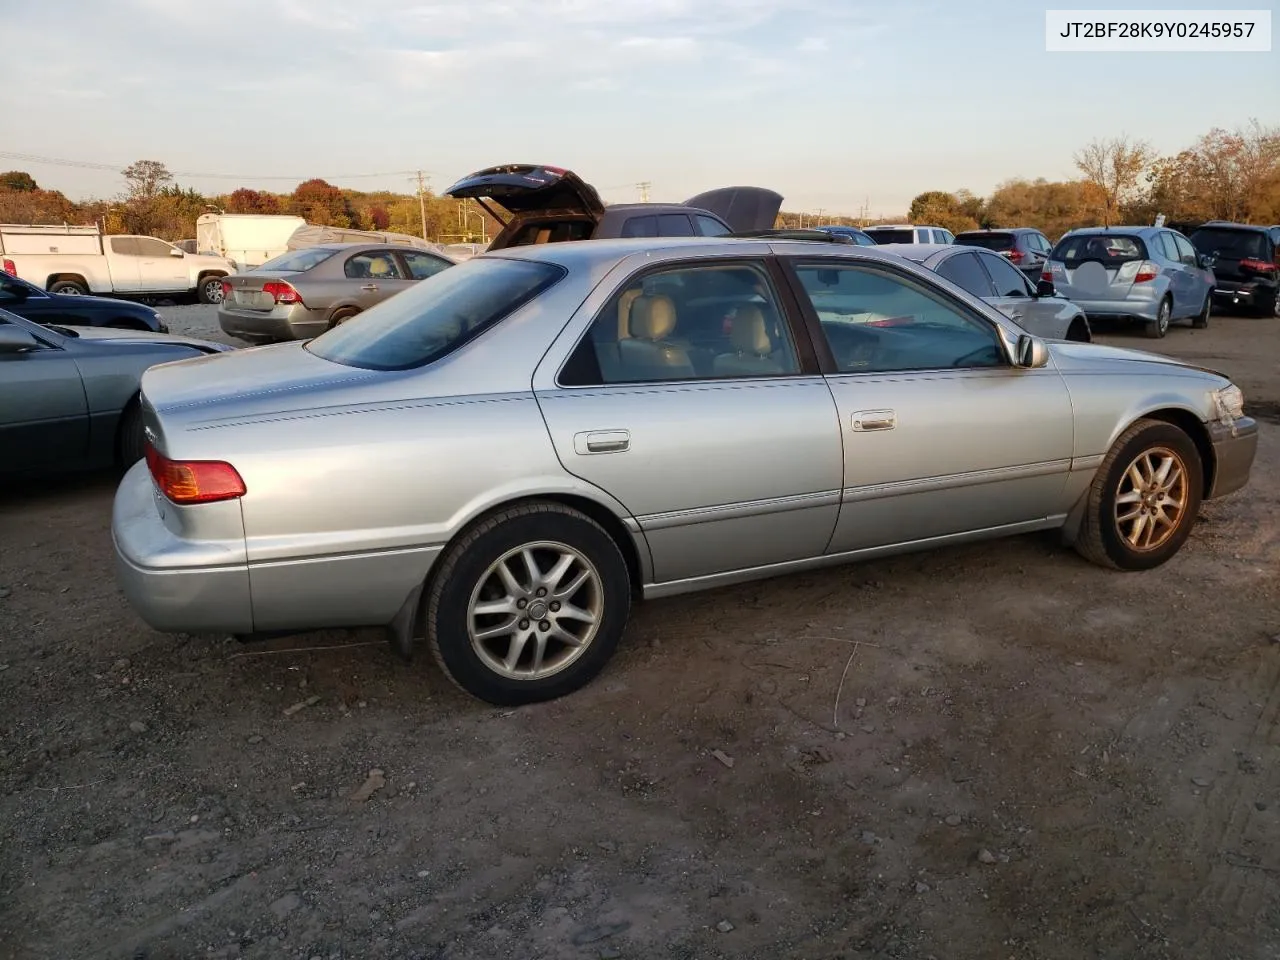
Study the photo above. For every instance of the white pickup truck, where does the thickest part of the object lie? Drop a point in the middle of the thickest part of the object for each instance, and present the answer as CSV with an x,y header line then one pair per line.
x,y
83,260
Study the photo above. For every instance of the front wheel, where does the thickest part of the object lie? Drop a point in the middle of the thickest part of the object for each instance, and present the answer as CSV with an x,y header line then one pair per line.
x,y
1144,500
210,290
529,605
1202,319
1158,327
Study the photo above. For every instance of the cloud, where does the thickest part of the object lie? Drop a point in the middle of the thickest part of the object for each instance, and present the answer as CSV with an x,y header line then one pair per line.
x,y
813,45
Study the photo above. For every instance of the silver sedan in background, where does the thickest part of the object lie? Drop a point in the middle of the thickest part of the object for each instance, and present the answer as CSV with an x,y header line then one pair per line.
x,y
500,458
302,293
989,276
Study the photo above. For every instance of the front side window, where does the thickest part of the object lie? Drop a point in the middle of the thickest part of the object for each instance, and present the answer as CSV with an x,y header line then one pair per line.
x,y
710,226
433,318
372,265
967,274
151,247
687,323
1008,279
1186,252
878,322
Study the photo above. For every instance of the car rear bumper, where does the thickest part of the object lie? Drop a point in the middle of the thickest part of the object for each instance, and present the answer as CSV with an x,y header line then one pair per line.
x,y
173,583
1248,293
290,322
1234,447
1145,310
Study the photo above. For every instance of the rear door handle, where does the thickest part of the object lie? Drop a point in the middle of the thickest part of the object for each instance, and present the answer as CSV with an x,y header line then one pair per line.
x,y
866,420
601,441
370,286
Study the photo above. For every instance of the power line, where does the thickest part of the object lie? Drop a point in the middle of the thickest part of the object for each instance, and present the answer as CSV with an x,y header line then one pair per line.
x,y
114,168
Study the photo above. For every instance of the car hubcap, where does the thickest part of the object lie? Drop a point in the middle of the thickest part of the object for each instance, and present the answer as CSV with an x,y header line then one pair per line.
x,y
1151,499
535,611
1163,317
213,291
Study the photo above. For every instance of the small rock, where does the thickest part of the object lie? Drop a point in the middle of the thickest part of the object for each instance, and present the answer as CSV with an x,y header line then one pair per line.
x,y
922,887
195,818
423,874
138,726
602,932
723,758
986,856
1259,805
868,728
608,846
1275,638
121,664
375,782
860,702
309,702
1200,781
610,953
256,738
954,820
4,592
869,838
724,926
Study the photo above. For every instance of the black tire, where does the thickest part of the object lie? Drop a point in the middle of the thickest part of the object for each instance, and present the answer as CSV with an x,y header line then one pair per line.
x,y
1201,320
209,290
342,316
69,288
464,570
1100,539
1157,328
130,438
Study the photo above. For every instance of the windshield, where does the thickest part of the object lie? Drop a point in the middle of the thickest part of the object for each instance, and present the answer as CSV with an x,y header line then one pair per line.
x,y
1232,244
1109,249
437,315
891,236
296,261
989,241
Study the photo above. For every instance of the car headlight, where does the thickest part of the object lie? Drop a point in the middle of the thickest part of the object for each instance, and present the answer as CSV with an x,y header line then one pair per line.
x,y
1229,402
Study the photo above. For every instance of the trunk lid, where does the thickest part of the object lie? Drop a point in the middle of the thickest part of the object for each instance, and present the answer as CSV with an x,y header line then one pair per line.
x,y
1100,266
742,208
258,291
522,188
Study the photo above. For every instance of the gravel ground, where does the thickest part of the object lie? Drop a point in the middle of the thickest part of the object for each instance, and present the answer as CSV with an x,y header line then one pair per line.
x,y
196,320
995,751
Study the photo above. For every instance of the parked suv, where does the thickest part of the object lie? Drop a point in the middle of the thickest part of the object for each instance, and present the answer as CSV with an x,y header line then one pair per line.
x,y
553,205
908,233
1246,263
1146,274
1025,247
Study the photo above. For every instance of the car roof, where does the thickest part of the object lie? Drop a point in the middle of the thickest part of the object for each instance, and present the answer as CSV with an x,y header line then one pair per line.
x,y
970,233
919,252
1103,231
1231,225
589,253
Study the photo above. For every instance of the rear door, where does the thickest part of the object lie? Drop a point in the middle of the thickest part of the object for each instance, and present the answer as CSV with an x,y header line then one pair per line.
x,y
44,416
1096,266
377,275
689,398
123,260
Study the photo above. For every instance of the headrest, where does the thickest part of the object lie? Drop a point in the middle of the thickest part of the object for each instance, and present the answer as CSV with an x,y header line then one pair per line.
x,y
379,266
750,334
653,318
624,311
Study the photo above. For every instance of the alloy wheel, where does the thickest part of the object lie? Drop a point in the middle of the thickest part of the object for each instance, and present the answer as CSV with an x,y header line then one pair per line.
x,y
1151,499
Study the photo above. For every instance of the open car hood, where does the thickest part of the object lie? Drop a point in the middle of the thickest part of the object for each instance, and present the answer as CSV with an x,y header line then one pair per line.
x,y
526,187
742,208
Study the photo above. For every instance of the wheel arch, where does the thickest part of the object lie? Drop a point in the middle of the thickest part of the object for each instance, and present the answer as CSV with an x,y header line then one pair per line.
x,y
69,275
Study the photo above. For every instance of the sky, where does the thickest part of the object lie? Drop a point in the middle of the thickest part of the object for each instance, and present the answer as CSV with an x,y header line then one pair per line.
x,y
834,103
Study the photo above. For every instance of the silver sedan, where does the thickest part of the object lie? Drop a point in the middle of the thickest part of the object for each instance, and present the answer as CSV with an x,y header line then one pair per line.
x,y
499,459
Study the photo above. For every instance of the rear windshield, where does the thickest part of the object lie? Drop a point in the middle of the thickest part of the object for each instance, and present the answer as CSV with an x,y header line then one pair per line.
x,y
1233,244
437,315
892,236
551,231
296,261
990,241
1110,249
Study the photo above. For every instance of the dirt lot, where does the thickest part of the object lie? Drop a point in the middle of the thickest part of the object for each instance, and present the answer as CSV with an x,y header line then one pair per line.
x,y
997,751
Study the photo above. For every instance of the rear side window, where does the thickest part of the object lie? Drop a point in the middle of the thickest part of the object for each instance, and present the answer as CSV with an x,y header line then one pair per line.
x,y
674,225
437,315
990,241
892,236
1232,244
646,226
1111,250
710,226
296,261
125,246
551,231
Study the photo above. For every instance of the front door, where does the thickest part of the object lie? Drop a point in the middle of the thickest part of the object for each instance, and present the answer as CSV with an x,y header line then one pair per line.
x,y
160,269
942,435
44,416
690,401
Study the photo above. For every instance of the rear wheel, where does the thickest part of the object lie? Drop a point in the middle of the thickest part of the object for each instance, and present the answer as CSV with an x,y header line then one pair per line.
x,y
68,288
342,316
1158,327
209,290
1202,320
1144,500
130,437
529,605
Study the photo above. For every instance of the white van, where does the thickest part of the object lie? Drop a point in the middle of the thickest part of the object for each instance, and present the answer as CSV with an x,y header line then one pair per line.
x,y
247,239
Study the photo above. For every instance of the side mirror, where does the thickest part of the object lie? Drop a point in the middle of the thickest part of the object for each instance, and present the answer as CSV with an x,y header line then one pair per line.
x,y
175,252
1045,288
1032,352
16,340
1207,260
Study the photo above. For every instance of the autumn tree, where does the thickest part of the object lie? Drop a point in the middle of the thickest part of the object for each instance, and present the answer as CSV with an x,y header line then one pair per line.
x,y
939,208
1223,175
322,203
145,178
245,200
1115,167
19,181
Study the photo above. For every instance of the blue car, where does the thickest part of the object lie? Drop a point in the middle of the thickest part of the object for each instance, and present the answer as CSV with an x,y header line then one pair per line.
x,y
39,306
1147,275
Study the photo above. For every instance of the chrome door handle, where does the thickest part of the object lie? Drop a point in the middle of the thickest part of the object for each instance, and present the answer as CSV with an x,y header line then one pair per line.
x,y
370,286
865,420
601,441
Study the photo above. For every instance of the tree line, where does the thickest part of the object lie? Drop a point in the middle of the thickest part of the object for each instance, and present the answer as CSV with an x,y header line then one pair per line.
x,y
1226,175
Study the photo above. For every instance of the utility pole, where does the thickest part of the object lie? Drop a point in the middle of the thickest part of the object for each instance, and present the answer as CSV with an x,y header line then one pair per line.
x,y
818,217
643,186
422,202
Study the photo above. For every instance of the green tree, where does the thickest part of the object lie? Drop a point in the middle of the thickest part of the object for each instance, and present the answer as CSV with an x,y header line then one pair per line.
x,y
145,178
19,181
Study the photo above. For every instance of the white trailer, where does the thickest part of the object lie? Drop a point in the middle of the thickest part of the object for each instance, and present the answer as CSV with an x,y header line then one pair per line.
x,y
247,239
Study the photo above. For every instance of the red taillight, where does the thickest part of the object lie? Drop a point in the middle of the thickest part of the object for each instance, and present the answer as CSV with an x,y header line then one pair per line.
x,y
281,292
1014,255
10,269
228,291
1046,274
1248,263
1146,272
194,481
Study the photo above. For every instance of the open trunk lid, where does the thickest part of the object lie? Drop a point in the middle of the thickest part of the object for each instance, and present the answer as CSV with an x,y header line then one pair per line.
x,y
742,208
526,188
